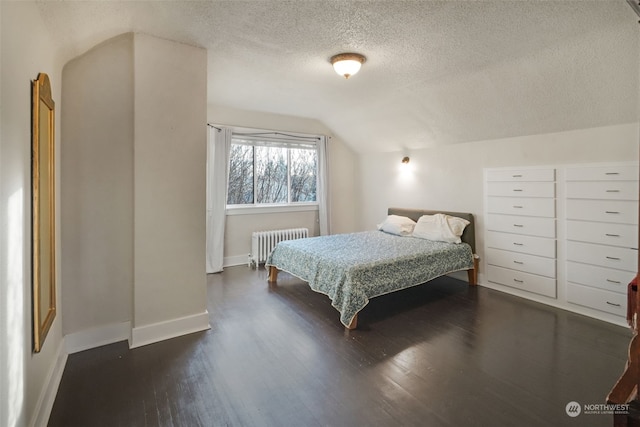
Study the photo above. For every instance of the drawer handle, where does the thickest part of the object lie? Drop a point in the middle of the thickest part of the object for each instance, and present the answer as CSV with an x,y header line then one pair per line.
x,y
516,176
611,212
613,191
613,258
518,262
612,235
613,304
518,225
518,189
517,207
518,281
612,173
518,244
617,282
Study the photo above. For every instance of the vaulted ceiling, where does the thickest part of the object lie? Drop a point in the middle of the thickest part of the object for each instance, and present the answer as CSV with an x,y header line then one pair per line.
x,y
437,72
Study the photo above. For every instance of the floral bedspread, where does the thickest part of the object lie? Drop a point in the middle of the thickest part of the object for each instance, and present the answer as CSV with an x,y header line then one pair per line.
x,y
352,268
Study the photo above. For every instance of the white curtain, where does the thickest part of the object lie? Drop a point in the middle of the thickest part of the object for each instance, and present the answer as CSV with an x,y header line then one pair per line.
x,y
218,148
324,211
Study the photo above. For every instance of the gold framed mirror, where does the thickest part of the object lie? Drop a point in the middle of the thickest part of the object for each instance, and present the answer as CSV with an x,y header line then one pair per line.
x,y
43,210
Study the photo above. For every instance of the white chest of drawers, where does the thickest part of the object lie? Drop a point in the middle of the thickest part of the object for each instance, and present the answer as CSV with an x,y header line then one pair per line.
x,y
602,235
563,235
521,229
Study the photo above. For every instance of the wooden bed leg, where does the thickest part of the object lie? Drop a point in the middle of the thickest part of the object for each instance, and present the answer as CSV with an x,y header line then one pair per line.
x,y
273,274
473,272
354,323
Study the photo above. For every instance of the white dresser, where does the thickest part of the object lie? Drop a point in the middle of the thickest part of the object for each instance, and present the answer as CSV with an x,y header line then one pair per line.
x,y
563,235
602,235
520,239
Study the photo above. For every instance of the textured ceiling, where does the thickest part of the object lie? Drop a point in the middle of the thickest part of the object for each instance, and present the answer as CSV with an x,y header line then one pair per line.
x,y
436,72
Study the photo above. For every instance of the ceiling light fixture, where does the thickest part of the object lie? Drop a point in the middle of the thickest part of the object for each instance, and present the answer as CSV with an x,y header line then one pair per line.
x,y
347,64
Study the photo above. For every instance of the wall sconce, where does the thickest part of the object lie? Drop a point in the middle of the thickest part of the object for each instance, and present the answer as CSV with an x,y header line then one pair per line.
x,y
405,160
347,64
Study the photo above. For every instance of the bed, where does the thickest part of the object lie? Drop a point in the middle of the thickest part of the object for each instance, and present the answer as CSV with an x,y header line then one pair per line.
x,y
353,268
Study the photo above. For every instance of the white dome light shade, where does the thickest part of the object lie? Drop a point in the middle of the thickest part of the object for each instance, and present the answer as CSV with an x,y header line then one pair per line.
x,y
347,64
347,67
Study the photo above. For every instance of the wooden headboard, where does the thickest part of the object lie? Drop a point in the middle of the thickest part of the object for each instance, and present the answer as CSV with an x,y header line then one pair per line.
x,y
469,234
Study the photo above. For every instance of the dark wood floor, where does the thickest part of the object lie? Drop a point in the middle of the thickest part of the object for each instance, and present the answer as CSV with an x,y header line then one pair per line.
x,y
442,354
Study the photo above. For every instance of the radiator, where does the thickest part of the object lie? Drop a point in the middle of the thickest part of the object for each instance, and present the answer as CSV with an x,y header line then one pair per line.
x,y
263,242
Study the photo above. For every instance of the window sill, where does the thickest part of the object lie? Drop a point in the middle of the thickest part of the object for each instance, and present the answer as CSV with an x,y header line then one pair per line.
x,y
252,210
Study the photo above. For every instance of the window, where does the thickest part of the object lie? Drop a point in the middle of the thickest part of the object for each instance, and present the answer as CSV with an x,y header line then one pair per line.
x,y
272,169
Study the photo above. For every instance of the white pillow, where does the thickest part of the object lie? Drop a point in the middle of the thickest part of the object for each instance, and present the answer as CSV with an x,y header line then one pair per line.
x,y
440,227
395,224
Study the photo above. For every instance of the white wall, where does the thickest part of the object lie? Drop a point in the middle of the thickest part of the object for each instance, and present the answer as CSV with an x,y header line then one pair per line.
x,y
451,177
27,381
238,229
97,187
169,182
134,192
342,182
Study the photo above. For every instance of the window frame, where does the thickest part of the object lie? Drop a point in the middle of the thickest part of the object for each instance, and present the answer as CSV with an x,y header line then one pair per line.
x,y
289,140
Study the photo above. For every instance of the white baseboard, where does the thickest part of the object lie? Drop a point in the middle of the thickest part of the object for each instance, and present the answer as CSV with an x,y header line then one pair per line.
x,y
47,397
143,335
149,334
235,260
96,337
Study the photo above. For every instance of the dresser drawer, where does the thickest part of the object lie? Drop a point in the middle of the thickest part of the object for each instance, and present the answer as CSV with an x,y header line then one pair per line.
x,y
610,302
522,189
603,173
616,211
605,256
521,175
622,235
599,277
539,246
611,190
524,281
522,206
522,262
529,225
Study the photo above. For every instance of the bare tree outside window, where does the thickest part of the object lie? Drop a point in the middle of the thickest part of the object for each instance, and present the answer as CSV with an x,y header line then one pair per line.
x,y
304,165
271,174
240,191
